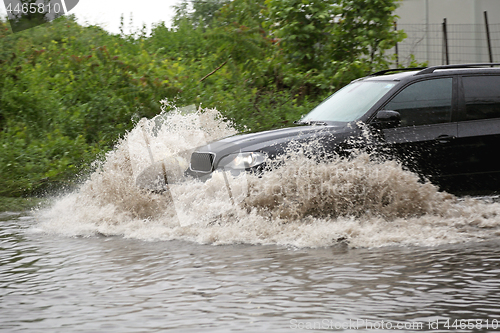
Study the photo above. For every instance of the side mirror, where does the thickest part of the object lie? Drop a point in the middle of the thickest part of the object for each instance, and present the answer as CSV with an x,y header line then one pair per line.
x,y
387,119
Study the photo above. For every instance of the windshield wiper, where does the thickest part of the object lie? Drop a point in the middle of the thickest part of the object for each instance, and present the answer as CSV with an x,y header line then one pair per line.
x,y
310,122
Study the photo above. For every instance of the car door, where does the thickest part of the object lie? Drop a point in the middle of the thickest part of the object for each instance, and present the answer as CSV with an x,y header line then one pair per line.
x,y
425,139
479,131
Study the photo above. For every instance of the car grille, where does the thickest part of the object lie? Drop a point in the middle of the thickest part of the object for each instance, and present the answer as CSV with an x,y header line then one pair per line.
x,y
202,162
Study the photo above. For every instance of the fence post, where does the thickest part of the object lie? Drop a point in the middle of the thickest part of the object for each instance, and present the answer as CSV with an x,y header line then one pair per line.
x,y
488,39
445,43
396,46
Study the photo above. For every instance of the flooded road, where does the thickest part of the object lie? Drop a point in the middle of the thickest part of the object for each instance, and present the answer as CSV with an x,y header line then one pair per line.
x,y
343,244
111,284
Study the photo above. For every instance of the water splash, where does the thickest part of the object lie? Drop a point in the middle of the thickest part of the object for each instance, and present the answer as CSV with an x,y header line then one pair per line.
x,y
357,201
358,187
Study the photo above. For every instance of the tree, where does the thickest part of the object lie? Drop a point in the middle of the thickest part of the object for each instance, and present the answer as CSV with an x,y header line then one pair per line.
x,y
327,43
198,12
303,28
365,29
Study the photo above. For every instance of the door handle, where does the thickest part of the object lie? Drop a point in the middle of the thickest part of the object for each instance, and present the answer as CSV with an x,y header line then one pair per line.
x,y
445,138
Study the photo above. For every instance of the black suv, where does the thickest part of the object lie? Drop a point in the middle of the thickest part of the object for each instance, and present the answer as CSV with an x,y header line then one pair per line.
x,y
442,122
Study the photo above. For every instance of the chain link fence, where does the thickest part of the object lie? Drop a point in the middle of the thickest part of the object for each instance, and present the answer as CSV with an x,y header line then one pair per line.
x,y
439,44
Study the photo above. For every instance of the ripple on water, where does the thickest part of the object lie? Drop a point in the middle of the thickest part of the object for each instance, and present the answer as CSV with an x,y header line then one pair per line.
x,y
67,284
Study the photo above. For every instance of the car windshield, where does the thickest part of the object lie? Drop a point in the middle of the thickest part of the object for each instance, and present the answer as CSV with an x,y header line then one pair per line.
x,y
349,103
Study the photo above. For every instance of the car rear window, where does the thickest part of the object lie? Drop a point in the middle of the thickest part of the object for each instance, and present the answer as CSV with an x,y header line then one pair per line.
x,y
482,97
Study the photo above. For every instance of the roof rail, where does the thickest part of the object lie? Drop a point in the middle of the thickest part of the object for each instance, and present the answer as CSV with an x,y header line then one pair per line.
x,y
396,70
430,70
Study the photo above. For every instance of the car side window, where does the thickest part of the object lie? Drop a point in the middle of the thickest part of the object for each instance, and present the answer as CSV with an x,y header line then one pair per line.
x,y
423,103
482,97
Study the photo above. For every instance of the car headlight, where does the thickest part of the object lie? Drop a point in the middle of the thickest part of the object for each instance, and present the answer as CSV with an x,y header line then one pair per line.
x,y
242,161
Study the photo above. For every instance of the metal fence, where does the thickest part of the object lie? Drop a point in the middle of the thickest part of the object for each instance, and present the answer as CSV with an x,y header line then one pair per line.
x,y
439,44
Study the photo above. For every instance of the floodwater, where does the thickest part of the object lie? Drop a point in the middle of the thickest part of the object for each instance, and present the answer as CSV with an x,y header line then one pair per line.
x,y
110,284
340,246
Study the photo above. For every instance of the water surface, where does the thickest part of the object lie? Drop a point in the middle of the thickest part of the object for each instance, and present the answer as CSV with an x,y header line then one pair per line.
x,y
112,284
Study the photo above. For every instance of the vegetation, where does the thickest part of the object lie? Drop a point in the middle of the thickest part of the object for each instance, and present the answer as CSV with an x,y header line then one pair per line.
x,y
68,92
